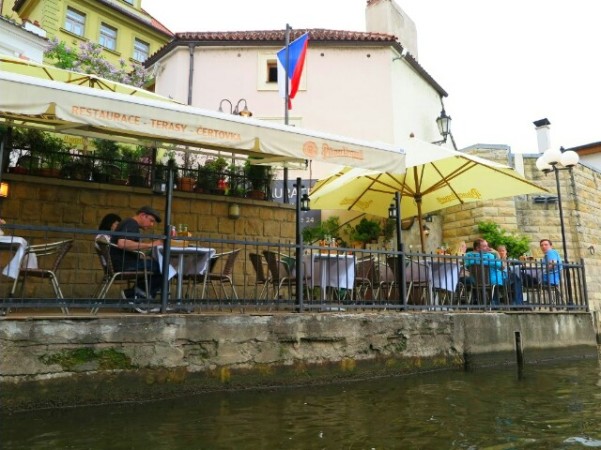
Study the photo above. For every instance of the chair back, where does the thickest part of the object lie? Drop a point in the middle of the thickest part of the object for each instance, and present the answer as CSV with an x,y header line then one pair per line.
x,y
417,273
258,263
57,249
276,265
365,269
223,263
480,275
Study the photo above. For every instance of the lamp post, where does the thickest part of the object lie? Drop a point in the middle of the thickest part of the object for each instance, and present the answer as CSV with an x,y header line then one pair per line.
x,y
302,204
556,161
394,213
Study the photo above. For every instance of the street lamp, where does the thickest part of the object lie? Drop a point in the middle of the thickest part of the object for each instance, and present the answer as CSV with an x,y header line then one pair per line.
x,y
556,160
235,110
444,125
394,213
302,205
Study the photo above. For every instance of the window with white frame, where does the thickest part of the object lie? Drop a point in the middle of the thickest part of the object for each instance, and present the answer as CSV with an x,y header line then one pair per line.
x,y
75,22
108,36
141,50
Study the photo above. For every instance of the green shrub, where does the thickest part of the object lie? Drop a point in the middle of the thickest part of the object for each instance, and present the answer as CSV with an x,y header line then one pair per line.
x,y
516,244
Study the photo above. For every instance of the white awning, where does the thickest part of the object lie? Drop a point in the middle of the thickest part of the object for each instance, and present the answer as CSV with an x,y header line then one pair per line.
x,y
84,111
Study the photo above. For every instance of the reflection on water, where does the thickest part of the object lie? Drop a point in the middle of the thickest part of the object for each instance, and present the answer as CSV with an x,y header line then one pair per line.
x,y
550,407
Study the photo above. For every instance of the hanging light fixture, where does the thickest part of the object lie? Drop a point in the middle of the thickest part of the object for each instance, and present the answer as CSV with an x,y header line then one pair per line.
x,y
392,211
444,125
305,202
245,111
426,230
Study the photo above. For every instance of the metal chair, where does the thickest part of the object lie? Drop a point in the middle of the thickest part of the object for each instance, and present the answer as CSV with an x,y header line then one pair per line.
x,y
58,250
220,270
417,280
262,277
364,276
481,276
282,273
103,250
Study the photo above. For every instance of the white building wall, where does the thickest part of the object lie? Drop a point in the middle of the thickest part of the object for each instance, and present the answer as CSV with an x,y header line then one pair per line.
x,y
20,43
352,91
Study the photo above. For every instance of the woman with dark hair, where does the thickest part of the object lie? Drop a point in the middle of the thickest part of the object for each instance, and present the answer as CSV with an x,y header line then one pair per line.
x,y
108,223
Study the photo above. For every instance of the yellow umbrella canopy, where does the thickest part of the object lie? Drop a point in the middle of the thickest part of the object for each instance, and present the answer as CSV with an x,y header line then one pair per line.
x,y
38,70
436,178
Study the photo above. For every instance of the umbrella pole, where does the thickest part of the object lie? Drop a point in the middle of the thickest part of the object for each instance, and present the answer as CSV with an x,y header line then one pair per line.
x,y
418,200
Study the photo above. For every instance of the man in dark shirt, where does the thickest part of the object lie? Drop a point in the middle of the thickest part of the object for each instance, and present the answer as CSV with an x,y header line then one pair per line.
x,y
124,255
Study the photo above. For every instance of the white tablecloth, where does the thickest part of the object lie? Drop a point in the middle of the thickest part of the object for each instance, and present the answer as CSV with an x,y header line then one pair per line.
x,y
185,261
195,259
445,275
20,246
331,269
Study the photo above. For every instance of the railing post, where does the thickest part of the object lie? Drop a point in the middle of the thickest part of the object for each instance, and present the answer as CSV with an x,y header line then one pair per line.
x,y
167,231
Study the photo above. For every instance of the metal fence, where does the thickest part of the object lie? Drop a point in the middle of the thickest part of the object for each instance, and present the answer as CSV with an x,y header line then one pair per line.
x,y
53,269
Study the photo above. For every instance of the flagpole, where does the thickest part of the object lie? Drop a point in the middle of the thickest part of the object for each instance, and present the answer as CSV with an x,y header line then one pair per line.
x,y
286,100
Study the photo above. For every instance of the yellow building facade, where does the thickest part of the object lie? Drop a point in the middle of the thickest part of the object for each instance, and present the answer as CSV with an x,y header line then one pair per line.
x,y
123,29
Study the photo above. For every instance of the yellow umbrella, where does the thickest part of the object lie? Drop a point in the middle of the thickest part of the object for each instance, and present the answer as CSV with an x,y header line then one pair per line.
x,y
436,178
38,70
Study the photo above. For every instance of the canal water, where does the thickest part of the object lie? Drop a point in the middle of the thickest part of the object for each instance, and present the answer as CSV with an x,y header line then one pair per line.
x,y
554,406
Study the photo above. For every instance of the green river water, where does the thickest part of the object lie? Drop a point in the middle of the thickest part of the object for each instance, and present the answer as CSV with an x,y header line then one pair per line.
x,y
549,406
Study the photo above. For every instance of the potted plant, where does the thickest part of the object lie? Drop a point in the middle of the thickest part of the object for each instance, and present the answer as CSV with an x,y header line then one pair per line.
x,y
259,177
135,173
365,231
54,155
216,172
186,179
236,181
106,152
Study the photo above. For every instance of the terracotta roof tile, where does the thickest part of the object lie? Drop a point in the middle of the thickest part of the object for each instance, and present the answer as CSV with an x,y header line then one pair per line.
x,y
277,38
315,34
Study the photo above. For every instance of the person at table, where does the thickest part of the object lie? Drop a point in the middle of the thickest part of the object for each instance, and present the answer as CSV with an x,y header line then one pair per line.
x,y
513,282
551,266
482,255
108,223
124,258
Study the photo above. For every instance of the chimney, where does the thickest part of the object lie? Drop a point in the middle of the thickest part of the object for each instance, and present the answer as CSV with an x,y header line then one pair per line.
x,y
385,16
543,134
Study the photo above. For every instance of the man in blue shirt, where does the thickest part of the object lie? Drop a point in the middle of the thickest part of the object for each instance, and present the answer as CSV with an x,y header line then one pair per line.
x,y
482,255
551,263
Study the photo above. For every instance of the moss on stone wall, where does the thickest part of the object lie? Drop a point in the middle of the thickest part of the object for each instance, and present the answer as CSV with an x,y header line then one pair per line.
x,y
105,359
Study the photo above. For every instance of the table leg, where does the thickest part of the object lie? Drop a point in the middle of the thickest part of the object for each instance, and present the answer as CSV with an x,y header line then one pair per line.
x,y
180,278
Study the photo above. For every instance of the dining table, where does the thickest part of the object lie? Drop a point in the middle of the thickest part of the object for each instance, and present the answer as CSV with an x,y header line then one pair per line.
x,y
185,260
330,269
20,257
445,276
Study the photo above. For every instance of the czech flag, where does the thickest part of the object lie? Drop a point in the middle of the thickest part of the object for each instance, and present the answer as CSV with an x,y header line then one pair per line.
x,y
296,60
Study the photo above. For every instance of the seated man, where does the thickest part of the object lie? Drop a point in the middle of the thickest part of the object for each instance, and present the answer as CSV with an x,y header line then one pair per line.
x,y
481,255
551,266
124,258
551,263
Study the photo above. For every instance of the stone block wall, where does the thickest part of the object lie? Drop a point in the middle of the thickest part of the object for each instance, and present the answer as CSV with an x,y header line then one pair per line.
x,y
81,205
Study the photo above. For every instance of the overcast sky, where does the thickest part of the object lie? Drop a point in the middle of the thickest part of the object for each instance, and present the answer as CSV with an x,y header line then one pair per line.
x,y
503,64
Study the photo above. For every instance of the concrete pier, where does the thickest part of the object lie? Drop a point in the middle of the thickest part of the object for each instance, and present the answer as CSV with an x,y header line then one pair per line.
x,y
50,362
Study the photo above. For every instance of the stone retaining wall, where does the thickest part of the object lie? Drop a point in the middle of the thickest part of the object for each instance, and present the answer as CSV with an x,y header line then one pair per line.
x,y
57,362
